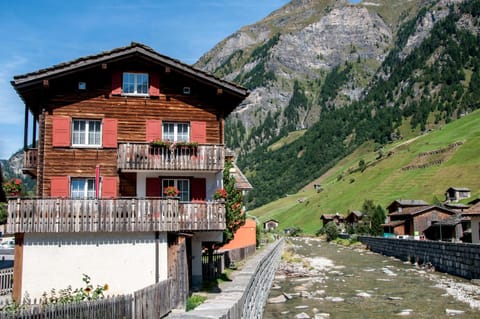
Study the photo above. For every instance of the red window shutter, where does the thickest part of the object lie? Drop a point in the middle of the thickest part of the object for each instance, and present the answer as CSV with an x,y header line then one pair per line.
x,y
117,83
154,89
198,132
109,187
59,186
199,189
154,130
109,133
61,127
153,187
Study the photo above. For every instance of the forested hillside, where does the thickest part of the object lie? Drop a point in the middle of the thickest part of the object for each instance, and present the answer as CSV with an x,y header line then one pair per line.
x,y
429,77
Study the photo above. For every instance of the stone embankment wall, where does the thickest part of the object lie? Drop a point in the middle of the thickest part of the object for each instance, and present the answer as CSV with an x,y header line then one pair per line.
x,y
245,296
457,259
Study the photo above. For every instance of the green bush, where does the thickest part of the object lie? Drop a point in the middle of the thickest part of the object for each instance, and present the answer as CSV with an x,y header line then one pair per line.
x,y
331,230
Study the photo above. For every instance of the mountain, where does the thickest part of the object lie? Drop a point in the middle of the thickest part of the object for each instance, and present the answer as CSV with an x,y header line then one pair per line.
x,y
12,168
327,76
422,167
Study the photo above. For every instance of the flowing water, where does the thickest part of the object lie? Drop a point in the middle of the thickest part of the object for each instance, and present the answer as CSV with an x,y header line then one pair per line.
x,y
355,283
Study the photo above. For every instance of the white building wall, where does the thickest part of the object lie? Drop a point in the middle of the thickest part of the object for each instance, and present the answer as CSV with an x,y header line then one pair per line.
x,y
124,261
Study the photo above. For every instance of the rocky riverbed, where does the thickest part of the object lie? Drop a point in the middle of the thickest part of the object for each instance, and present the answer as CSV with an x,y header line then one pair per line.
x,y
320,280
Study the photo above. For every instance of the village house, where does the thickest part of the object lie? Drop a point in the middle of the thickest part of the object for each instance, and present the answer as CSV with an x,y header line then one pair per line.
x,y
336,218
353,218
417,218
270,225
473,216
455,194
130,152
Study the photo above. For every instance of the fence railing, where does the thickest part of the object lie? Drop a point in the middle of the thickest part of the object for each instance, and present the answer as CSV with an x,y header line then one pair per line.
x,y
112,215
6,281
30,161
144,156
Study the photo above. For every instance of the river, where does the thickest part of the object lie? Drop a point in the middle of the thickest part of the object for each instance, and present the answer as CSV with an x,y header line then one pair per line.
x,y
323,280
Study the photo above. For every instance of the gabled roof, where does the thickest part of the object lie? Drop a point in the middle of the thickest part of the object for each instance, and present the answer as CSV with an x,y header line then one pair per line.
x,y
459,189
473,211
421,209
407,203
241,181
133,49
270,220
356,213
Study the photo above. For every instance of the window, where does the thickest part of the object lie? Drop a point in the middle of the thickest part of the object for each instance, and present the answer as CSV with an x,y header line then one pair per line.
x,y
87,133
183,185
135,83
82,188
176,132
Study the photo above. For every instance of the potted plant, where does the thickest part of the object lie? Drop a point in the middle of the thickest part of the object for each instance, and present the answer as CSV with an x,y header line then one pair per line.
x,y
13,187
220,194
171,191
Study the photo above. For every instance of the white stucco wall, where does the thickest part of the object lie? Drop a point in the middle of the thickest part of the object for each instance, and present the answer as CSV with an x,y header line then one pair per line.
x,y
124,261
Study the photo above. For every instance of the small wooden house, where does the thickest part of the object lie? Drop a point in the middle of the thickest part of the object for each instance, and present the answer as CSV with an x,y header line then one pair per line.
x,y
270,225
414,220
455,194
353,218
336,218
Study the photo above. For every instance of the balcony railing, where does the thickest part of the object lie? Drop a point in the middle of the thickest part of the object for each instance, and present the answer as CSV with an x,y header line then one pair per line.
x,y
138,156
30,161
112,215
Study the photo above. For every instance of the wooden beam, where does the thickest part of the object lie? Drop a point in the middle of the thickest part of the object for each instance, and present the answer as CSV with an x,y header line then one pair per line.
x,y
45,83
104,66
167,69
219,91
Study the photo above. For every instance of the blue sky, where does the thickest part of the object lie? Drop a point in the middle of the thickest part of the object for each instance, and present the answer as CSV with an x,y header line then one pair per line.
x,y
40,33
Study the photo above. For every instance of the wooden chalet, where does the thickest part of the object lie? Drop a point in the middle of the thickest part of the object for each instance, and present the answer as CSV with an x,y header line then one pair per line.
x,y
454,194
473,216
353,218
336,218
415,220
111,133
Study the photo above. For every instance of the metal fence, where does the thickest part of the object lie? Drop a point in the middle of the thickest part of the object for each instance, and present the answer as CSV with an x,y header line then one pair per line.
x,y
6,281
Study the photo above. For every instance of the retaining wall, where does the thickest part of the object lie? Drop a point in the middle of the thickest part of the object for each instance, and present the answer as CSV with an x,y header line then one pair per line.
x,y
245,296
457,259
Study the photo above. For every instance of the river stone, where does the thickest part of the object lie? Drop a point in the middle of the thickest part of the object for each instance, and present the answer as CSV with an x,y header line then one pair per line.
x,y
322,315
302,307
394,298
405,312
454,312
335,299
364,295
287,296
305,294
279,299
302,315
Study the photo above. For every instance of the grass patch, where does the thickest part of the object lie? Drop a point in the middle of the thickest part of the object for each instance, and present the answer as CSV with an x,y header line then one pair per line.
x,y
194,301
384,181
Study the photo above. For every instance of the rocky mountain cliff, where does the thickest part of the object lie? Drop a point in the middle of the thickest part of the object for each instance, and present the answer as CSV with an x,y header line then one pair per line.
x,y
304,41
342,74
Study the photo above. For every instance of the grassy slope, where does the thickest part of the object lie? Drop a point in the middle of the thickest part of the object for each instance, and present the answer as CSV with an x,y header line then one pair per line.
x,y
384,181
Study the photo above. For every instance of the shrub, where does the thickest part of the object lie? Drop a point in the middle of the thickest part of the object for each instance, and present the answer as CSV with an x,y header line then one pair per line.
x,y
331,230
194,301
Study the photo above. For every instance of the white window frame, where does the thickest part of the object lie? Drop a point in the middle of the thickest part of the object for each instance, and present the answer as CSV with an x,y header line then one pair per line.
x,y
86,133
184,194
135,84
88,186
177,137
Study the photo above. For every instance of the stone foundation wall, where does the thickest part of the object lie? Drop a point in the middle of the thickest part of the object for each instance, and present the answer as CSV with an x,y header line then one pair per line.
x,y
457,259
245,296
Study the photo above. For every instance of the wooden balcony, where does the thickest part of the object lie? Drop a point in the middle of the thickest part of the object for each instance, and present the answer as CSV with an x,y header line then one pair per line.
x,y
112,215
30,162
143,156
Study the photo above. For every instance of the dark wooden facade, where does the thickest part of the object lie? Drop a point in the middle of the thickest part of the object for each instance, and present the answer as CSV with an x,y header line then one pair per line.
x,y
55,93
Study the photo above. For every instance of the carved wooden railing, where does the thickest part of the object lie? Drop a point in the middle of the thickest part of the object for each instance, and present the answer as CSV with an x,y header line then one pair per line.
x,y
30,161
112,215
144,156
